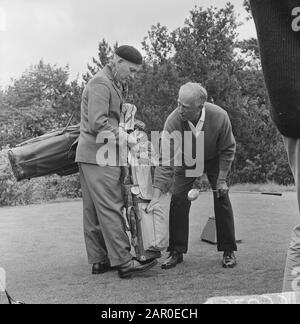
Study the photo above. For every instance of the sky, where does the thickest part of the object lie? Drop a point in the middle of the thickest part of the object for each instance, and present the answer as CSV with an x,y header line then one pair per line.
x,y
68,31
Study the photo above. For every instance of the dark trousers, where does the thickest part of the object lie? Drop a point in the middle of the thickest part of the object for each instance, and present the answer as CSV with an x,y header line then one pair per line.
x,y
180,209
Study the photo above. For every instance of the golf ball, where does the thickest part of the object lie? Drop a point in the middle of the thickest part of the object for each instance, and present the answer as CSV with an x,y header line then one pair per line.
x,y
193,194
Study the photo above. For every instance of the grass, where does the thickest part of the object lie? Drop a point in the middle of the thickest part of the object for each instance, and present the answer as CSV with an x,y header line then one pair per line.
x,y
42,249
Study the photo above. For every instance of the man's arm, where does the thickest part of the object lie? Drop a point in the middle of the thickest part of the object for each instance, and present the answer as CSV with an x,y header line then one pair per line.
x,y
98,108
164,172
227,149
98,112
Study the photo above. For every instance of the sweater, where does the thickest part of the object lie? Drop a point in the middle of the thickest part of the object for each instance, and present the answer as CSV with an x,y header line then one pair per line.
x,y
219,142
278,29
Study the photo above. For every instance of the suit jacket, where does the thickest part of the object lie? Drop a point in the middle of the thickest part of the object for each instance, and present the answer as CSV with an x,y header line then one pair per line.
x,y
100,111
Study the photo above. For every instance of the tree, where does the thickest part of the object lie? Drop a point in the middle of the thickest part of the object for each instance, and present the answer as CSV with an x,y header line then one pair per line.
x,y
206,50
1,97
39,101
39,82
105,51
247,7
158,44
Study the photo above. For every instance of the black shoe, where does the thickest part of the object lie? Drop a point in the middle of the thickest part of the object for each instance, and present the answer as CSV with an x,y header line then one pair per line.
x,y
229,259
134,267
172,261
100,268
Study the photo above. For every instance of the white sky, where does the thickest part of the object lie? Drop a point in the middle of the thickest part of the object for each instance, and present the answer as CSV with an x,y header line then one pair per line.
x,y
68,31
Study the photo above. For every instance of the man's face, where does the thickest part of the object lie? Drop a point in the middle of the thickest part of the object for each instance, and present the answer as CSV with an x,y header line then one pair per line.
x,y
188,108
126,70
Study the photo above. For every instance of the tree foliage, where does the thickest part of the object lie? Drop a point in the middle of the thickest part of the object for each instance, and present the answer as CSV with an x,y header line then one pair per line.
x,y
206,50
39,101
104,54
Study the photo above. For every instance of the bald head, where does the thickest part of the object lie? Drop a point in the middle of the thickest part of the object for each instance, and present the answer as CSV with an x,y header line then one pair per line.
x,y
191,100
193,92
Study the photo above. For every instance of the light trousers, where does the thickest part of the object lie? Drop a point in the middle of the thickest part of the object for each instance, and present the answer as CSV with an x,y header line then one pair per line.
x,y
292,268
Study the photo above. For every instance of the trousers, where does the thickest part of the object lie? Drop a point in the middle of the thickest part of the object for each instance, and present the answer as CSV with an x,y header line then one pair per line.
x,y
291,280
180,209
103,222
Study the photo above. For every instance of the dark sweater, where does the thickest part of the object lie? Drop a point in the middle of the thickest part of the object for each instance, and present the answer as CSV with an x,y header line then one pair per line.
x,y
278,29
219,142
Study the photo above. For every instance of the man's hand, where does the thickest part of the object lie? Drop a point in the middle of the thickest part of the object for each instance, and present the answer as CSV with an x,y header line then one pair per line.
x,y
222,189
155,200
154,203
131,141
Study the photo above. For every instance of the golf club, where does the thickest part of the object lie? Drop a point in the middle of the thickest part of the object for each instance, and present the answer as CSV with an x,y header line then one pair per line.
x,y
194,193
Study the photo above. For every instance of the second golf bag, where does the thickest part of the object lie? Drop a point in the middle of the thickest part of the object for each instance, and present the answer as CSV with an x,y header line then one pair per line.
x,y
149,231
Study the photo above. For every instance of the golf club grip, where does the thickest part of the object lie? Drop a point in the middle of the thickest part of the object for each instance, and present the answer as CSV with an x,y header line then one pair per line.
x,y
272,194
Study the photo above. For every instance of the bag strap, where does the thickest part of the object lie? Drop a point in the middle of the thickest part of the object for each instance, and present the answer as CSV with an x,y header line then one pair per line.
x,y
68,123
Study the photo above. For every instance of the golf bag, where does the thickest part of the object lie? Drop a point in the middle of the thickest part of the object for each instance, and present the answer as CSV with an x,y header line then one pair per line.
x,y
51,153
149,231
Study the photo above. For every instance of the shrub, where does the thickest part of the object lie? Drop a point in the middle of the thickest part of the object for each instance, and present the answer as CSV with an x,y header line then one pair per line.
x,y
13,193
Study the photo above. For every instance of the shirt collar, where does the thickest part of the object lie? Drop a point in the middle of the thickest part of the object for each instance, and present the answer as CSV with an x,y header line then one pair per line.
x,y
198,129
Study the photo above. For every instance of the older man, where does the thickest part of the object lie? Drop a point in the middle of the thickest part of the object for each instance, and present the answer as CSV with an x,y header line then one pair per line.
x,y
195,114
104,229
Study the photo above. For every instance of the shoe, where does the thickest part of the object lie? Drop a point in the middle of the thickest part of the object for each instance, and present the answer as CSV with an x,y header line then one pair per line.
x,y
229,259
100,268
149,256
173,259
134,267
144,261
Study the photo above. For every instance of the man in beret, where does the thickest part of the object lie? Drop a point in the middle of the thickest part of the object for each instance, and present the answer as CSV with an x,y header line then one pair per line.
x,y
107,243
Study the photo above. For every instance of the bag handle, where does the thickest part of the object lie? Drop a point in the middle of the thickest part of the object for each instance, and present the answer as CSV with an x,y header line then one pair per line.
x,y
68,123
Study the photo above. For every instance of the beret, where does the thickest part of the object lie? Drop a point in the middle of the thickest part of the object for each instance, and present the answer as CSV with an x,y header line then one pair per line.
x,y
130,54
